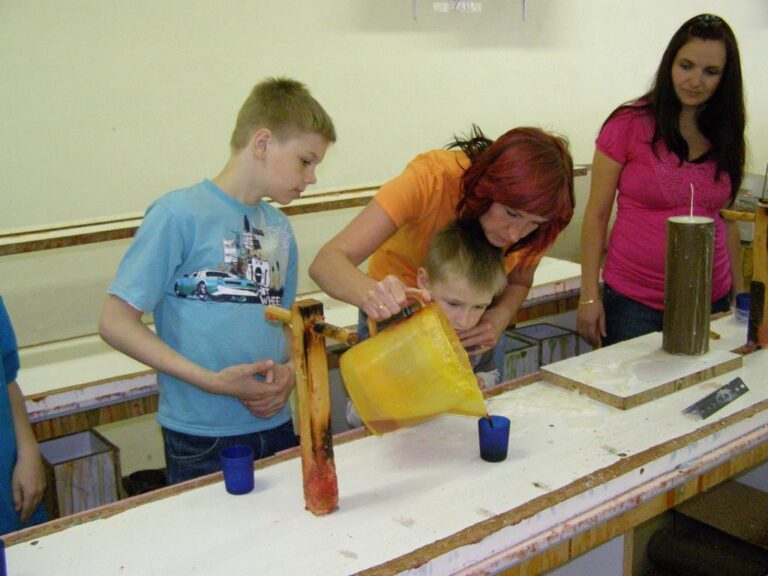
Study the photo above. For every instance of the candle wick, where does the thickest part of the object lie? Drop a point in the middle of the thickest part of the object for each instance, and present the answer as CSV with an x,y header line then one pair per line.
x,y
691,216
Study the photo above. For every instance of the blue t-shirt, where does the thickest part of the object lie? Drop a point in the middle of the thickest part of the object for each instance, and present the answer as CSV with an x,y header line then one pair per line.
x,y
9,369
206,266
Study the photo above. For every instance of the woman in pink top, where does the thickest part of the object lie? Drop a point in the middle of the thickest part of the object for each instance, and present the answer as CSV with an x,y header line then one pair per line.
x,y
687,131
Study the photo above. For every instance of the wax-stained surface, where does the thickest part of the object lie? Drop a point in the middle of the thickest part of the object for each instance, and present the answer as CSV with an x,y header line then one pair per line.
x,y
637,371
413,488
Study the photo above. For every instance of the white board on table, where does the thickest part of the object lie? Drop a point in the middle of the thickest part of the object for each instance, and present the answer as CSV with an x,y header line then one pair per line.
x,y
636,371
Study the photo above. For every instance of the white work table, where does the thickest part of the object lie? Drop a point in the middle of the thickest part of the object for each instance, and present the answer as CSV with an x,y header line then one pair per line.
x,y
420,501
85,373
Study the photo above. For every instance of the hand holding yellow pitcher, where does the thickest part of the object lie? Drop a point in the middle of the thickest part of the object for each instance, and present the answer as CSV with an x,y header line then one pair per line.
x,y
410,372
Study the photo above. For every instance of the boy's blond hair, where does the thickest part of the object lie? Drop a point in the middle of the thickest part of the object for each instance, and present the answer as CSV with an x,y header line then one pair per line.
x,y
283,106
461,249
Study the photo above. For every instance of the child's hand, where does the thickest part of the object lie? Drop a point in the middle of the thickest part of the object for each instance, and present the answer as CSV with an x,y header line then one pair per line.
x,y
486,334
240,380
273,392
478,339
28,483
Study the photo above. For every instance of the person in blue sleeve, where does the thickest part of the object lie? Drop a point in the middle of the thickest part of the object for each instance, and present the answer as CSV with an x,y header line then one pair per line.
x,y
22,477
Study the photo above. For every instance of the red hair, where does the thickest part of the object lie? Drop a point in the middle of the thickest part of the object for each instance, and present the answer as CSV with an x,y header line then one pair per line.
x,y
525,169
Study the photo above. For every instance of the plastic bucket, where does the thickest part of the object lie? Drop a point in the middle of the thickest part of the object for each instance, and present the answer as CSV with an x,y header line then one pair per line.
x,y
410,372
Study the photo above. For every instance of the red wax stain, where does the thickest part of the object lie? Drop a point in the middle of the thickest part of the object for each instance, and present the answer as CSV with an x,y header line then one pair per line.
x,y
321,489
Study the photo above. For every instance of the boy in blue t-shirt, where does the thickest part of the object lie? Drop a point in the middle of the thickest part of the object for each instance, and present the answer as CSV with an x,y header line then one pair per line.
x,y
463,274
22,477
205,261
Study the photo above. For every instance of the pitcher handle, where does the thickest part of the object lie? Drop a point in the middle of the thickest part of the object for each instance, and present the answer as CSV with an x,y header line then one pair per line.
x,y
412,293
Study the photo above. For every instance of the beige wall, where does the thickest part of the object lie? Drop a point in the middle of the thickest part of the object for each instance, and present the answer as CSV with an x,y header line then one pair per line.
x,y
57,294
105,105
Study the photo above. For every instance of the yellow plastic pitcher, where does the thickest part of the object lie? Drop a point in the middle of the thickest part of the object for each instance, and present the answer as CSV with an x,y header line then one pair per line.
x,y
410,372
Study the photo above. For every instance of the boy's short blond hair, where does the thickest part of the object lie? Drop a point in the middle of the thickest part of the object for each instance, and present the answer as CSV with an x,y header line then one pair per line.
x,y
461,249
283,106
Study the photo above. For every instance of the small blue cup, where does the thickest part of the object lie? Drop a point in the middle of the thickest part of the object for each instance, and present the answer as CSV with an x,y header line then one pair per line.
x,y
237,465
742,307
494,438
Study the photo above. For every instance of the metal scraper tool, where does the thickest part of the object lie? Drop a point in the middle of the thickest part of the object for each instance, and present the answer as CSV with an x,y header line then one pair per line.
x,y
717,399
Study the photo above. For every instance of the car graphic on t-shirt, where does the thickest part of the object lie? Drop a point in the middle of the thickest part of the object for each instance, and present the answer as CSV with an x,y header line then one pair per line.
x,y
217,285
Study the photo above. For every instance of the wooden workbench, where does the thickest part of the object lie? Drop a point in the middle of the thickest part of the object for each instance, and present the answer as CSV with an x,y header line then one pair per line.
x,y
420,500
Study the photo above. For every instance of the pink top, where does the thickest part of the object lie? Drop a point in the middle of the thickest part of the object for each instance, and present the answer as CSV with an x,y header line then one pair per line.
x,y
650,190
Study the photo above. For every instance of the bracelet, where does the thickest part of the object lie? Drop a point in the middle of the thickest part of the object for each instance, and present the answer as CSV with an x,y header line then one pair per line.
x,y
590,301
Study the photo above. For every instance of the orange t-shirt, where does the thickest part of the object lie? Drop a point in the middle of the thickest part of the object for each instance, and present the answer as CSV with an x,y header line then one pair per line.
x,y
421,201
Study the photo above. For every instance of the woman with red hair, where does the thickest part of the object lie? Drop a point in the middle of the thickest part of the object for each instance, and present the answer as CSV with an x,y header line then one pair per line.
x,y
519,188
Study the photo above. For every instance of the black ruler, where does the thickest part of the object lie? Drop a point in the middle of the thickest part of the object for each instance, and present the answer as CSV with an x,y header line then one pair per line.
x,y
719,398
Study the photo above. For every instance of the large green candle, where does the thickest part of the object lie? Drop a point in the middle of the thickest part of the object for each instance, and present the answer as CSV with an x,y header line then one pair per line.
x,y
688,284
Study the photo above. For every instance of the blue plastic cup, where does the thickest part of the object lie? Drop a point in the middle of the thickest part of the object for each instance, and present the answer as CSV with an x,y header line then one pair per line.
x,y
237,465
494,438
742,307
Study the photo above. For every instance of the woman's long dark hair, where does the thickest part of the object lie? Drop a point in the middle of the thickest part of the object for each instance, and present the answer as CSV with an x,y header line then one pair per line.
x,y
721,119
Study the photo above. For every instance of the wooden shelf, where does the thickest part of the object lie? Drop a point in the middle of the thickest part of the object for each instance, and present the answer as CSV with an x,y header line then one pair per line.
x,y
91,232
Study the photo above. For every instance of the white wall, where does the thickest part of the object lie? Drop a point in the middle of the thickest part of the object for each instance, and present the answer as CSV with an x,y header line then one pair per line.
x,y
58,294
107,103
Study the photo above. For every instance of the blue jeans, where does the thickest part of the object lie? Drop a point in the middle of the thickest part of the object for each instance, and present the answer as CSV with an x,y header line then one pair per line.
x,y
188,456
626,318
